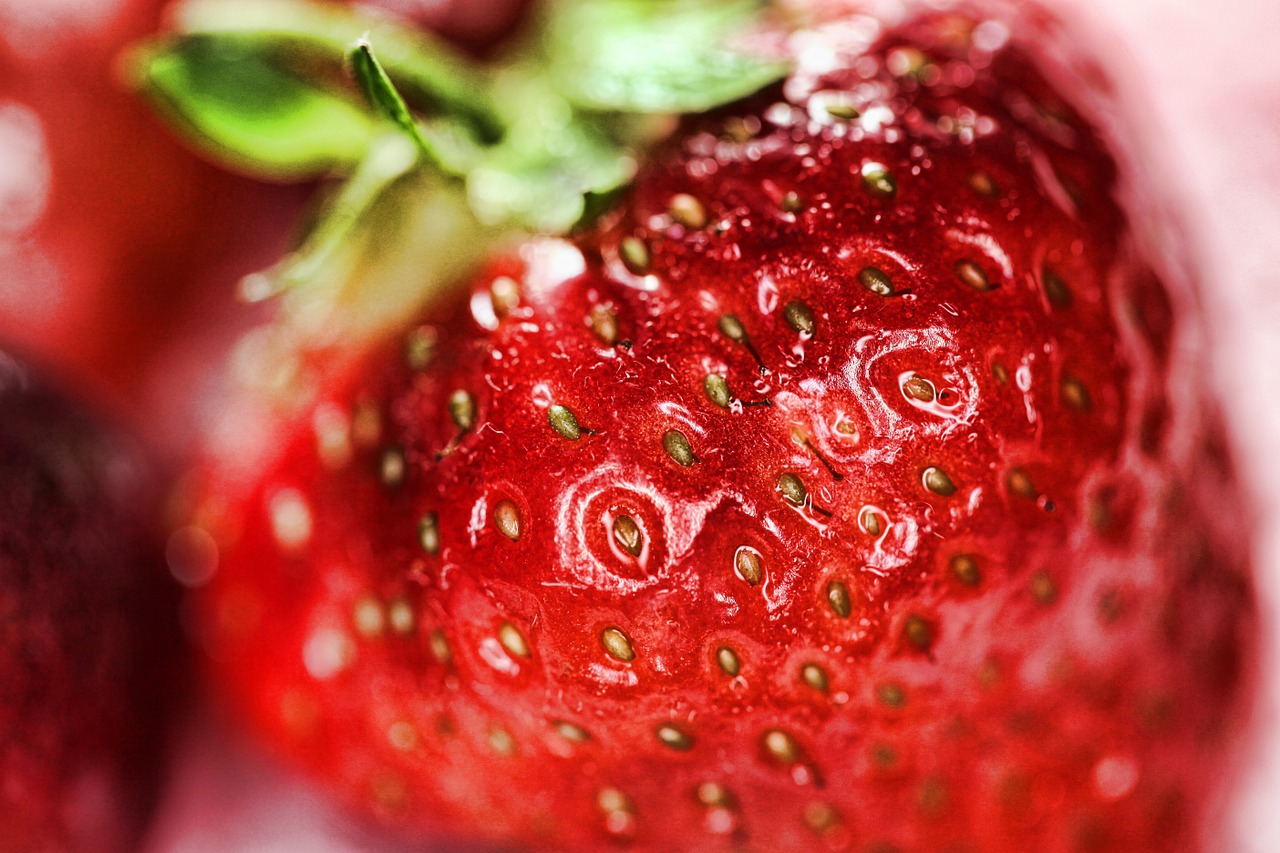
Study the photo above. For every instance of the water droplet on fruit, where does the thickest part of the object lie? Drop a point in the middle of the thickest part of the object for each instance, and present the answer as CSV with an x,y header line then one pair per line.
x,y
507,519
617,644
748,565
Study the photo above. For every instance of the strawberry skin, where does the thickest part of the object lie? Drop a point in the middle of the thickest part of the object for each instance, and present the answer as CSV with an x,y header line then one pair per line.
x,y
844,487
86,635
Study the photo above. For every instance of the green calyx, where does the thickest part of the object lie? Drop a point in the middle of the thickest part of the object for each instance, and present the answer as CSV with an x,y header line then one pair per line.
x,y
298,90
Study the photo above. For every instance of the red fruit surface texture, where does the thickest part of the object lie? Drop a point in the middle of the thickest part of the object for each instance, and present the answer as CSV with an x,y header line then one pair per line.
x,y
850,486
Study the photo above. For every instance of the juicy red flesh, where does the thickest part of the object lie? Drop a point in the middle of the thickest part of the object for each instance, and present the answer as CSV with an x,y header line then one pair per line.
x,y
85,641
954,565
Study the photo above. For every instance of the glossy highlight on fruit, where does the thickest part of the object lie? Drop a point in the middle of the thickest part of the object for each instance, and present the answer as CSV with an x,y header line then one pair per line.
x,y
842,487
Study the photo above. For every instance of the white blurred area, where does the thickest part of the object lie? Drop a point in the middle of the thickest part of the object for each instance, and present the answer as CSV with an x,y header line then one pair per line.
x,y
1211,75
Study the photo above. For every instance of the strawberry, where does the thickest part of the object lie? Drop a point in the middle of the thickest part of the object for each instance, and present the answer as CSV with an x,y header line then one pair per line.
x,y
847,483
85,633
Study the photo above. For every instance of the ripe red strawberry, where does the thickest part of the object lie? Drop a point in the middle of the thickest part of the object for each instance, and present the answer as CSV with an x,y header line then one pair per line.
x,y
848,485
86,642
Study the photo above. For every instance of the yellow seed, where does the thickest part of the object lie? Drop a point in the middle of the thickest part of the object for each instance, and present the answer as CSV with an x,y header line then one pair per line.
x,y
507,519
870,521
462,410
1019,482
982,184
672,737
792,488
965,568
781,746
728,661
918,632
440,647
876,280
571,732
815,677
628,536
677,447
718,390
749,566
920,389
604,322
877,179
429,533
617,644
1075,395
838,599
937,481
635,255
513,640
687,210
715,795
799,317
563,421
973,275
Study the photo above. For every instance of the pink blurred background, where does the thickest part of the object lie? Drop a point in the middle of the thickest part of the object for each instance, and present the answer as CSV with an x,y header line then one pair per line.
x,y
1203,81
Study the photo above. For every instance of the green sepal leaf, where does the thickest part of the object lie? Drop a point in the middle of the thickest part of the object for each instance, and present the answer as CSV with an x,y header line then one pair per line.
x,y
432,76
656,56
245,109
551,160
383,97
